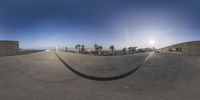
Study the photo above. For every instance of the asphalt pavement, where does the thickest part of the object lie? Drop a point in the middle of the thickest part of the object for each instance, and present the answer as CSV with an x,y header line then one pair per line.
x,y
42,76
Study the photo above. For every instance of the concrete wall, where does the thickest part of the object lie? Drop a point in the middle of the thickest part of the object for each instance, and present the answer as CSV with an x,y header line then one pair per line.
x,y
9,48
187,48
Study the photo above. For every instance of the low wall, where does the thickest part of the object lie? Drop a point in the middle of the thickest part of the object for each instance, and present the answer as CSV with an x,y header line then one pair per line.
x,y
187,48
9,48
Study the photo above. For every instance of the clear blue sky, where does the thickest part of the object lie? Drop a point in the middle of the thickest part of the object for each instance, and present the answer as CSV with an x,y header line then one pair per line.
x,y
40,24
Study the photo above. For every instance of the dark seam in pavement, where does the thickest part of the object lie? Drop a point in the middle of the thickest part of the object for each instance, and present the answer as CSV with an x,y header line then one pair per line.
x,y
96,78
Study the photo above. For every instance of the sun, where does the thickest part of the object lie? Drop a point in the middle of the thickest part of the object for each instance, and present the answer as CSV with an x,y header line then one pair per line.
x,y
152,42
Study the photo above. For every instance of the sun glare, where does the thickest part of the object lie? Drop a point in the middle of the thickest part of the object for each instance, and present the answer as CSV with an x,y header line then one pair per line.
x,y
152,42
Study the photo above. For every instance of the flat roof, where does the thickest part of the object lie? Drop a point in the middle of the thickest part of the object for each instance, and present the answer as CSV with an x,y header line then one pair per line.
x,y
8,41
178,44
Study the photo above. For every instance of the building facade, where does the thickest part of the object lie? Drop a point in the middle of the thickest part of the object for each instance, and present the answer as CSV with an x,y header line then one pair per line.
x,y
9,48
191,48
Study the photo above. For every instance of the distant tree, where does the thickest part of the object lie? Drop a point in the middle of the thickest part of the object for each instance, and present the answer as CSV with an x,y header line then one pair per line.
x,y
96,48
78,48
66,49
131,50
100,49
82,48
112,49
124,51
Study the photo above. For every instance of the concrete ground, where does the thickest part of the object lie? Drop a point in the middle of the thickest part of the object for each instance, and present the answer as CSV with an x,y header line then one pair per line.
x,y
41,76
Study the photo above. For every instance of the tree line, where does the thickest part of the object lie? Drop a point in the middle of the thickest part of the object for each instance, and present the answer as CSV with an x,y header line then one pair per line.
x,y
98,49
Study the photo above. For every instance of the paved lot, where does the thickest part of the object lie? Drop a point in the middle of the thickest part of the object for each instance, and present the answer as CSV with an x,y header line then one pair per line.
x,y
104,66
41,76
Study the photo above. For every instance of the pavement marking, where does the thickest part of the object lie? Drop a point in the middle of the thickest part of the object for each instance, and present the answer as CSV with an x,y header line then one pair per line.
x,y
95,78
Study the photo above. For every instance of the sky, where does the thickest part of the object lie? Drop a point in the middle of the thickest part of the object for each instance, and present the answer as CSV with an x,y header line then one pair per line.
x,y
40,24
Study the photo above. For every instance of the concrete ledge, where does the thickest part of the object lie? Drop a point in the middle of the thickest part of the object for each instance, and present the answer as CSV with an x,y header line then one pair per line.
x,y
8,47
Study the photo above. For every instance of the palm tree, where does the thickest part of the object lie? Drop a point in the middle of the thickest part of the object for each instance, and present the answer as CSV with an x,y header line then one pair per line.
x,y
124,50
112,49
78,48
100,49
96,48
82,48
